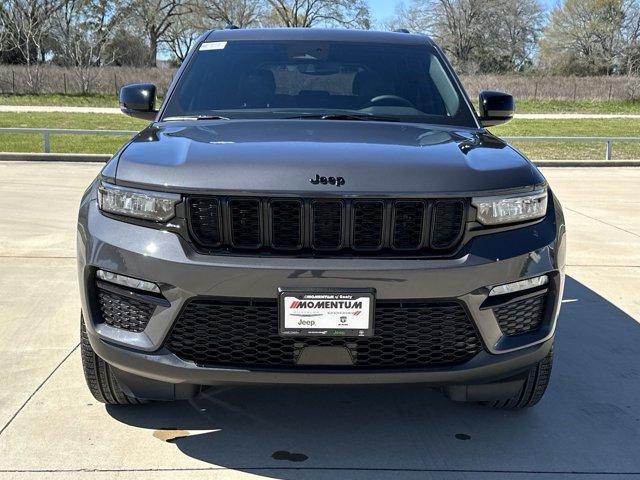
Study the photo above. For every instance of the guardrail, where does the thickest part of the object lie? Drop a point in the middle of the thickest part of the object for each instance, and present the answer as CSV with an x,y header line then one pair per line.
x,y
608,141
47,132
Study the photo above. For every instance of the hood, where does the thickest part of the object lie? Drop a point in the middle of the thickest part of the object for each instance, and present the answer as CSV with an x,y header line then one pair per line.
x,y
281,156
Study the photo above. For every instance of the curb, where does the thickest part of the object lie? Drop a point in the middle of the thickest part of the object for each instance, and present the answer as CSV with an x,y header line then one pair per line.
x,y
103,157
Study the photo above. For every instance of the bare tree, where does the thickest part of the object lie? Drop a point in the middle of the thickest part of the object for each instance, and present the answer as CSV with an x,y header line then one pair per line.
x,y
414,17
155,17
4,31
485,35
182,34
460,26
27,24
81,30
241,13
310,13
630,33
517,33
127,47
587,37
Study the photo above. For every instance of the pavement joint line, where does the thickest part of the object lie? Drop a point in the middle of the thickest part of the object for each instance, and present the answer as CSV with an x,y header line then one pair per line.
x,y
603,222
336,469
24,404
601,266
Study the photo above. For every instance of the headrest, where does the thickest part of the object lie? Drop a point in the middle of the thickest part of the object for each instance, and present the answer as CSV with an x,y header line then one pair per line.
x,y
258,83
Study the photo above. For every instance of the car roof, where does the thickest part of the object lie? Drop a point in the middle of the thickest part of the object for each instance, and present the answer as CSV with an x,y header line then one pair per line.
x,y
317,34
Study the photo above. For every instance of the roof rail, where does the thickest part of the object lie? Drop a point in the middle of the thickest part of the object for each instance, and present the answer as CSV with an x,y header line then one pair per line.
x,y
402,30
232,27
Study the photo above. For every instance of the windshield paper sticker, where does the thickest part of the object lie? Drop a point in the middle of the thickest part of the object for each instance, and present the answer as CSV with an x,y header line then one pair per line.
x,y
212,46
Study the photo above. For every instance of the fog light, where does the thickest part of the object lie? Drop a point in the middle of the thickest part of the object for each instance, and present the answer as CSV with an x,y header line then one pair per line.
x,y
127,281
519,285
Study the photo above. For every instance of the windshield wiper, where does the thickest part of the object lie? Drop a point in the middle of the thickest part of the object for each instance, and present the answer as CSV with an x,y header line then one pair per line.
x,y
346,116
195,117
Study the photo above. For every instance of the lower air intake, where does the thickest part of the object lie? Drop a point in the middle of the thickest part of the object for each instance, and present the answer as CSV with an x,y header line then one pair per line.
x,y
245,334
521,316
122,312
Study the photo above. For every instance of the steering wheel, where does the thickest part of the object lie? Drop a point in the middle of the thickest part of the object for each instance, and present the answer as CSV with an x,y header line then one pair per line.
x,y
390,100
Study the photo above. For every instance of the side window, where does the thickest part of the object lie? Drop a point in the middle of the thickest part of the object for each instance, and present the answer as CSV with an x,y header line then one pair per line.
x,y
444,86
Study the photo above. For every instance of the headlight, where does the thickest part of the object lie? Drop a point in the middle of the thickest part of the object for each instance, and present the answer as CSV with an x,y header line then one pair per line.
x,y
156,206
499,210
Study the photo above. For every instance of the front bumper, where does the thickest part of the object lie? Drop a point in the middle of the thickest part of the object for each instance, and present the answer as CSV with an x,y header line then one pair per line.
x,y
183,274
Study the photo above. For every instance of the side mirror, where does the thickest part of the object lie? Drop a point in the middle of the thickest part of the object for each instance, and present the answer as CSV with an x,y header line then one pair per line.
x,y
496,108
139,100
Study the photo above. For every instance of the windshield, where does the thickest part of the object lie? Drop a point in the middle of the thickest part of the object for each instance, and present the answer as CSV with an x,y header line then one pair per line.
x,y
287,79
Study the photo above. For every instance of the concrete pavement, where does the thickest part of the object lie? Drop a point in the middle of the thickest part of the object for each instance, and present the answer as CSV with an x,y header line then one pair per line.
x,y
588,425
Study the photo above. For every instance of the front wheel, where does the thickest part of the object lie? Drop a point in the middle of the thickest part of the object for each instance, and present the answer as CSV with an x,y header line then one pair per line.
x,y
99,376
533,387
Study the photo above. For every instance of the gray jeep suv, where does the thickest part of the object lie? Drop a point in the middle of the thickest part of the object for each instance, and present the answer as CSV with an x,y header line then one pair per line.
x,y
318,207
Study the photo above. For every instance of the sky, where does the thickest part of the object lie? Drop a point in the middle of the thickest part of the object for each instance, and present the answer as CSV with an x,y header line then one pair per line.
x,y
383,9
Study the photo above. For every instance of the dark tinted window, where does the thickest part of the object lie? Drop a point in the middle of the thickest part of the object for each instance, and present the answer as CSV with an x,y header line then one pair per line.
x,y
271,78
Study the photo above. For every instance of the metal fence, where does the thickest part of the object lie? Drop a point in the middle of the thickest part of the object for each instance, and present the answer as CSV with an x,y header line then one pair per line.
x,y
607,141
108,80
47,132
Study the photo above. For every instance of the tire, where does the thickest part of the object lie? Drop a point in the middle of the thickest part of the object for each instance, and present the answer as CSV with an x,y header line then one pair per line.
x,y
533,388
99,376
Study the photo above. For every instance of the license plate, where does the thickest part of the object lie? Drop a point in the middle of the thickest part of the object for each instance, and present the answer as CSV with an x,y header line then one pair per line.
x,y
326,313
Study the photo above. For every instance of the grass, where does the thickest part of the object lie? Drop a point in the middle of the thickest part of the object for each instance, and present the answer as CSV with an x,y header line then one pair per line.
x,y
89,121
537,150
66,143
59,99
578,106
62,100
574,150
614,127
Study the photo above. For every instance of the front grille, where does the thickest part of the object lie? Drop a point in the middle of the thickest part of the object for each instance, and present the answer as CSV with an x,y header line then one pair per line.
x,y
204,216
368,221
245,334
245,223
521,316
447,217
286,224
123,312
408,225
328,226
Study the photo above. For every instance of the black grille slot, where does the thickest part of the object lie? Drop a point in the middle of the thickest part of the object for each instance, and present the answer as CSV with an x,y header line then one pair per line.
x,y
245,334
521,316
327,225
447,223
286,224
245,223
408,220
368,225
123,312
204,215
